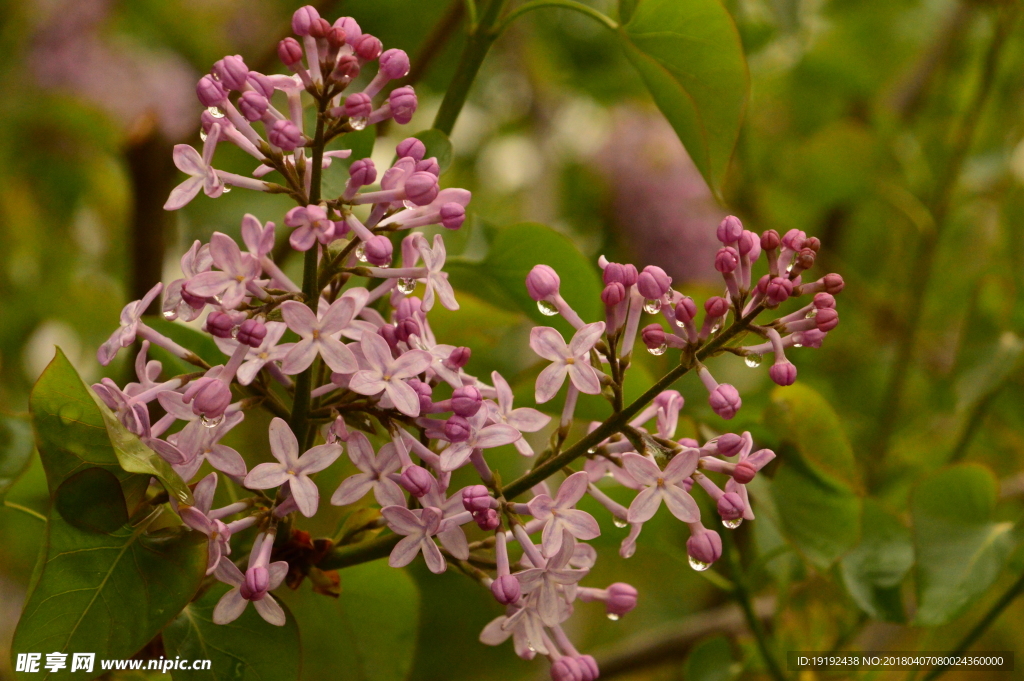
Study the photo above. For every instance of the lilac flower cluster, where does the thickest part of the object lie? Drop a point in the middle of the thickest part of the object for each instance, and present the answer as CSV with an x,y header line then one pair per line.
x,y
370,364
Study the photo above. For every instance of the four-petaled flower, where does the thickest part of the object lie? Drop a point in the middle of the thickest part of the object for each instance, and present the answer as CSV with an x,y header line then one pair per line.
x,y
232,603
197,517
523,419
418,526
321,336
387,374
662,485
257,358
561,516
480,436
292,468
552,577
436,278
566,359
231,284
203,176
375,475
125,334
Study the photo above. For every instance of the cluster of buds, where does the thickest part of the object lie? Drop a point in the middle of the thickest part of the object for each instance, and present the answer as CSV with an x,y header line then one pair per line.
x,y
370,363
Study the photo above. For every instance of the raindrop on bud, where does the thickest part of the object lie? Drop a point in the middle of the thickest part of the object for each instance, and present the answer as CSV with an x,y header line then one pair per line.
x,y
698,565
660,350
652,306
547,309
730,524
753,360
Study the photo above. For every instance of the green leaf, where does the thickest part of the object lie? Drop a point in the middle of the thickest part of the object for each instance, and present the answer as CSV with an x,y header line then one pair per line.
x,y
711,660
107,593
248,649
960,551
874,570
800,416
626,9
366,634
438,145
16,447
689,55
92,500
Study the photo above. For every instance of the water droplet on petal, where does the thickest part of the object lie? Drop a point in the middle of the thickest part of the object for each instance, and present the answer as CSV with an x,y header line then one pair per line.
x,y
698,565
619,522
613,617
215,111
732,524
211,423
789,268
357,123
227,190
716,327
546,308
203,135
406,285
660,350
797,345
812,314
529,646
361,252
170,315
652,306
234,332
753,360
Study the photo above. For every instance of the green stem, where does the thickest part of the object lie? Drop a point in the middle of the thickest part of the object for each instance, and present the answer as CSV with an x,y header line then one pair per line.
x,y
25,509
742,594
345,556
991,616
563,4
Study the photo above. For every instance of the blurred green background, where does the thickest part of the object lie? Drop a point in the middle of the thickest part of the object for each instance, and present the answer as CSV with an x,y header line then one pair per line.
x,y
890,129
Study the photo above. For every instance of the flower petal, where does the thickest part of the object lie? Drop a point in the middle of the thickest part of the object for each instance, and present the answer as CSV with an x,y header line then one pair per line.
x,y
229,607
403,397
680,504
404,552
318,458
642,469
307,496
572,490
584,377
283,444
644,506
550,381
580,524
352,489
298,317
496,435
269,610
376,351
548,343
410,364
432,556
402,521
526,419
299,357
367,382
266,476
227,460
338,316
682,465
387,492
360,452
585,339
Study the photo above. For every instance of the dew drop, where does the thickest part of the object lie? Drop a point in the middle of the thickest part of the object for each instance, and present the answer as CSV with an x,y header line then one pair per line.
x,y
215,111
652,306
789,268
170,315
529,646
546,308
406,285
716,327
361,252
619,522
227,190
357,123
812,314
660,350
753,360
698,565
234,332
797,345
385,265
211,423
732,524
203,135
592,450
613,617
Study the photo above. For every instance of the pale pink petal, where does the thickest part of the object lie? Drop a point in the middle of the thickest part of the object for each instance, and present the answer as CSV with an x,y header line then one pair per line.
x,y
283,444
387,460
680,504
496,435
252,233
172,404
338,316
277,572
403,397
527,419
187,160
404,552
226,460
299,318
367,382
299,357
208,283
360,452
550,381
197,520
760,458
444,292
455,455
410,364
642,469
548,343
432,556
269,610
551,537
504,391
585,339
352,489
584,377
225,252
303,238
494,634
580,524
388,493
682,465
318,458
229,573
572,490
266,476
230,606
454,540
338,356
377,352
247,372
644,506
402,521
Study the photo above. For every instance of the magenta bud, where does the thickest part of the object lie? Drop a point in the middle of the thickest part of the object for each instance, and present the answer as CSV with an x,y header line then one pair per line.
x,y
770,240
813,243
412,148
210,92
653,283
257,581
688,442
232,71
406,328
613,294
783,373
319,28
458,358
388,333
621,598
506,589
653,336
347,68
730,506
261,84
488,520
727,260
219,324
542,282
212,398
421,188
351,28
466,401
749,244
824,300
744,472
730,230
303,19
704,546
794,239
452,215
729,444
253,105
368,47
285,135
778,291
378,250
362,172
716,306
394,64
416,481
358,105
289,51
810,339
408,307
686,310
336,38
833,283
429,165
403,104
804,259
623,274
725,401
424,392
588,667
476,499
826,319
566,669
252,332
457,429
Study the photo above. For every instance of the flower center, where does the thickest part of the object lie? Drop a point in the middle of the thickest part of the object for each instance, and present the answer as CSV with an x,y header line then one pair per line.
x,y
239,278
570,360
316,333
264,355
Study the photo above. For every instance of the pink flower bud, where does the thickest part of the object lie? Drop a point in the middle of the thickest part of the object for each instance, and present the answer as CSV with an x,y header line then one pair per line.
x,y
257,581
778,291
219,324
653,336
730,506
653,283
362,172
429,165
810,339
783,373
358,105
211,399
232,71
424,392
749,244
421,188
588,667
394,64
705,546
716,306
261,83
406,328
727,260
210,92
813,243
804,259
770,240
827,319
319,28
730,229
285,135
335,38
252,105
824,300
351,28
686,310
416,481
303,18
466,401
452,215
488,520
378,250
408,307
506,589
725,401
252,332
458,358
621,598
688,442
744,472
412,148
729,444
566,669
368,47
476,499
403,104
388,333
289,51
347,69
457,429
794,239
833,283
613,294
623,274
542,282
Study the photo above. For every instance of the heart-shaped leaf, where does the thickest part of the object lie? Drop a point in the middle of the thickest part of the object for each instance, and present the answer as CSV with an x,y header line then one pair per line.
x,y
875,568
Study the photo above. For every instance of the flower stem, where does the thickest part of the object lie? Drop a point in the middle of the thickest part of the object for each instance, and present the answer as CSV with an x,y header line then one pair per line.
x,y
25,509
